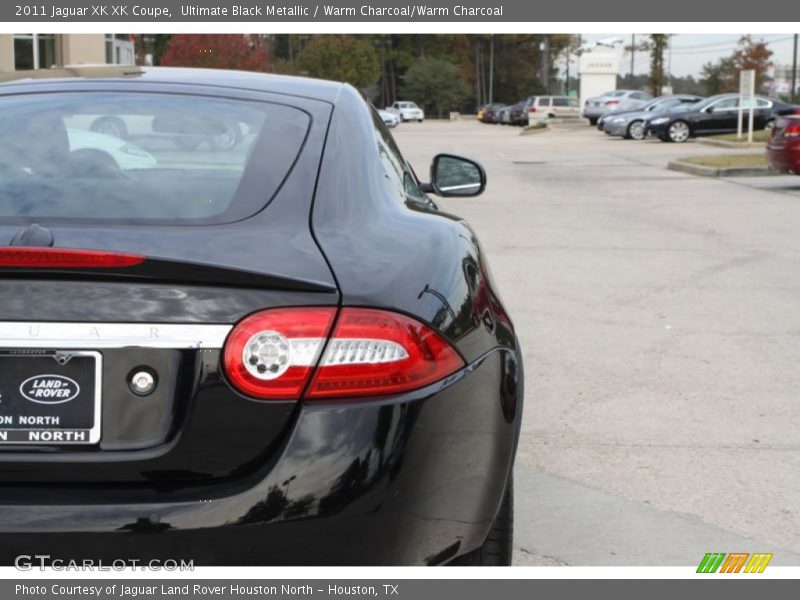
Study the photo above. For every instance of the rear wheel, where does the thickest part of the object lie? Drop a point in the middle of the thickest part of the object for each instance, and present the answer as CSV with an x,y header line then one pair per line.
x,y
496,551
592,121
635,131
679,132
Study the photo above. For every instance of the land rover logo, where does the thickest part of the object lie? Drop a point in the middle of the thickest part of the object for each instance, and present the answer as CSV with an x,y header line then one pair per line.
x,y
49,389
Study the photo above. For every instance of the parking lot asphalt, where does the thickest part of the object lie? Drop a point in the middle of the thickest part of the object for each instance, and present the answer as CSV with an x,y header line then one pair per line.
x,y
660,318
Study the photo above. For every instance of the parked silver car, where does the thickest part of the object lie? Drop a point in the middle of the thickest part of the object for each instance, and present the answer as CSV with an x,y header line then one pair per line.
x,y
630,124
389,119
596,107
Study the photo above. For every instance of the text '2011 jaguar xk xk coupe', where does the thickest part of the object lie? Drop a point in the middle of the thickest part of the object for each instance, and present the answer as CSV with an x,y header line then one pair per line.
x,y
273,351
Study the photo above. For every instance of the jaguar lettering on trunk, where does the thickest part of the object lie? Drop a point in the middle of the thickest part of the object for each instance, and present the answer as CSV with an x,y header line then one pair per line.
x,y
49,389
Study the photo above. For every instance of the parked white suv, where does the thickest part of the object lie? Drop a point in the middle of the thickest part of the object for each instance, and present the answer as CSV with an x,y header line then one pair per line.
x,y
547,107
407,111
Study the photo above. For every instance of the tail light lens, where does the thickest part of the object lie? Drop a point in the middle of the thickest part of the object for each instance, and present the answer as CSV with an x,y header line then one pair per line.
x,y
271,354
532,109
792,130
612,102
58,258
374,352
274,354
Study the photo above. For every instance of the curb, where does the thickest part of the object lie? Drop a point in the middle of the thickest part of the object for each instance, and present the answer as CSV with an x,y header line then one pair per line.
x,y
532,130
726,144
703,171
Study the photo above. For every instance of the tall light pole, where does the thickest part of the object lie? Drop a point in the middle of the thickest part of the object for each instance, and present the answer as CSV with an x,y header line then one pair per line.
x,y
491,67
633,54
793,93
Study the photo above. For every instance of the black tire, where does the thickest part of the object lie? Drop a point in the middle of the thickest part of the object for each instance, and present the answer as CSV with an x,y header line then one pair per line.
x,y
592,121
112,126
498,548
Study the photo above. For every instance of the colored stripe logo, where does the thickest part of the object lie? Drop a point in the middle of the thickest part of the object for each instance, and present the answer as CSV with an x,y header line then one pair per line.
x,y
735,562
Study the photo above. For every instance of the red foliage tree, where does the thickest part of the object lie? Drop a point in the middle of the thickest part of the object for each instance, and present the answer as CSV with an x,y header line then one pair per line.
x,y
215,52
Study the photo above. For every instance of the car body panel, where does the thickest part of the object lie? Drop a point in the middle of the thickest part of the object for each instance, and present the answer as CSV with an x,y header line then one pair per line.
x,y
783,148
407,111
719,114
597,106
406,481
616,122
414,478
389,119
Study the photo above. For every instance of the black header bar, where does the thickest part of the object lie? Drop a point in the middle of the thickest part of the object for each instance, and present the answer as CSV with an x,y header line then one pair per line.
x,y
443,11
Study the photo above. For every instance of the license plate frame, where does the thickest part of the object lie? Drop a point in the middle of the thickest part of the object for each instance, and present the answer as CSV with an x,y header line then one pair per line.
x,y
18,398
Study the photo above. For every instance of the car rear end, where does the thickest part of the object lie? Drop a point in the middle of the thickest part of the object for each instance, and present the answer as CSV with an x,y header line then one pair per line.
x,y
119,289
783,146
179,377
594,108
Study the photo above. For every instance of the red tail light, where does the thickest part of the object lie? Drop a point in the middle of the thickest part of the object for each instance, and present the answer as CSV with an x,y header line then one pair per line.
x,y
271,354
792,130
375,352
57,258
275,353
611,102
532,109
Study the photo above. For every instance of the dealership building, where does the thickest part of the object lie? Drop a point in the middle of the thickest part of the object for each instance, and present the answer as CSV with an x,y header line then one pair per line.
x,y
23,51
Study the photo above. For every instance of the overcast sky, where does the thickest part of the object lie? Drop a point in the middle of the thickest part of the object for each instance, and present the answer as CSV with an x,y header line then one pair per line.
x,y
691,51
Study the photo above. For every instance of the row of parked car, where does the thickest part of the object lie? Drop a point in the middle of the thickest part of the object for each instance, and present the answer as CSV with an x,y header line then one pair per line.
x,y
680,117
400,112
529,109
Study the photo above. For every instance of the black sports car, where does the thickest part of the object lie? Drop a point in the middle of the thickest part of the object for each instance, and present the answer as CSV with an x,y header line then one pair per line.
x,y
715,115
283,353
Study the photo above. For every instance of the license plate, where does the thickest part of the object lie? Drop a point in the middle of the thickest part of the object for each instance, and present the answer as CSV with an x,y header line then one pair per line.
x,y
50,397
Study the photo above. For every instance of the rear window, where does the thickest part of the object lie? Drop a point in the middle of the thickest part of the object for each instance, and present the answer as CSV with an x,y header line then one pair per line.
x,y
143,156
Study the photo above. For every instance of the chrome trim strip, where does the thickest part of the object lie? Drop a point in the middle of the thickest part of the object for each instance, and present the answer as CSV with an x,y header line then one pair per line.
x,y
67,336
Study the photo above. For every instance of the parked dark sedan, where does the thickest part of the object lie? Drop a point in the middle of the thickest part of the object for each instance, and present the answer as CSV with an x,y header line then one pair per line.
x,y
288,355
783,147
715,115
518,113
630,124
489,112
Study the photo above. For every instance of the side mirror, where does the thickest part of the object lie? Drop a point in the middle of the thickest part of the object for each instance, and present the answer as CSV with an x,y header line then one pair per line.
x,y
453,176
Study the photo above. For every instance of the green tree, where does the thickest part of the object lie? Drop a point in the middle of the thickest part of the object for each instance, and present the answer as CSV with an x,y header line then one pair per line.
x,y
348,58
719,77
436,85
658,75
